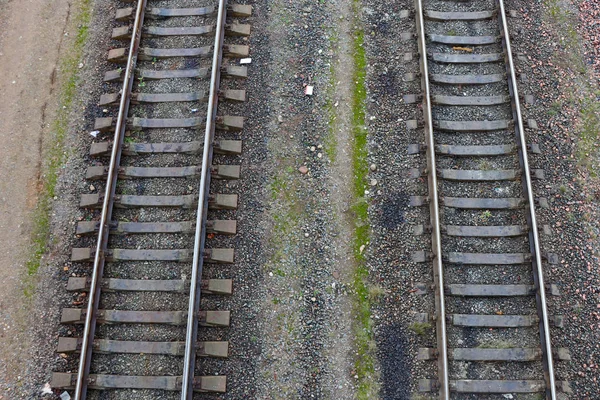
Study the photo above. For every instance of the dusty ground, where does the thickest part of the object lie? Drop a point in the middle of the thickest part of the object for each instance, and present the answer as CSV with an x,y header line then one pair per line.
x,y
31,38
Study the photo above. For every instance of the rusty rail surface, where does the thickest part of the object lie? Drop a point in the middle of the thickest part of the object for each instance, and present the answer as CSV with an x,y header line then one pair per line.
x,y
444,384
207,156
107,207
110,225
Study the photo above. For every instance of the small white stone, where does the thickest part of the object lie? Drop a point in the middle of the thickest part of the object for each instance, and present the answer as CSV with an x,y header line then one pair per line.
x,y
306,234
270,274
65,396
373,167
373,182
319,155
313,148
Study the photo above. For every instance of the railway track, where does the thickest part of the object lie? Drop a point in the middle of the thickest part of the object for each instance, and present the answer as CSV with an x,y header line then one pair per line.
x,y
491,318
149,235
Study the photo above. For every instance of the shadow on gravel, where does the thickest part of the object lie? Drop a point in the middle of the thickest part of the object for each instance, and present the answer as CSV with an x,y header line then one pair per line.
x,y
392,207
395,372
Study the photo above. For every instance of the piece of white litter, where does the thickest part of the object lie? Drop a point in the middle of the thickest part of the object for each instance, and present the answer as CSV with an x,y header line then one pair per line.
x,y
194,110
94,133
308,90
47,389
246,60
65,396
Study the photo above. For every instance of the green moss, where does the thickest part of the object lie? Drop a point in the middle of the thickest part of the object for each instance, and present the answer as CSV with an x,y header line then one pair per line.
x,y
365,344
54,158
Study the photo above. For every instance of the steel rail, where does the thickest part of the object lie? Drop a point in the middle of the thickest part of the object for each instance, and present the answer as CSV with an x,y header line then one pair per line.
x,y
107,207
201,217
436,246
534,236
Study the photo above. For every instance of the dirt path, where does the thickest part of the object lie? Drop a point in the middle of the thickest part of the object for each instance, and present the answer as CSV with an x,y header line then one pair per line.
x,y
31,34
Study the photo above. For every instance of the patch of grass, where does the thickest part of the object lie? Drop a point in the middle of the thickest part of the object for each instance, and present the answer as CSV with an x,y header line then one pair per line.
x,y
485,165
563,189
555,108
127,191
54,158
589,135
451,32
571,56
420,328
278,186
485,215
566,21
375,292
554,11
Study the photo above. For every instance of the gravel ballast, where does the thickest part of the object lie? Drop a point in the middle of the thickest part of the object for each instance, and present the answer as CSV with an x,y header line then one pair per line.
x,y
292,328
